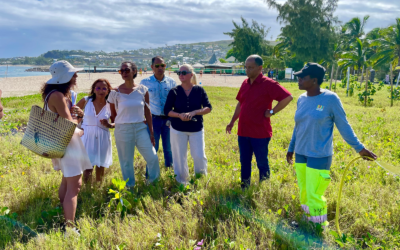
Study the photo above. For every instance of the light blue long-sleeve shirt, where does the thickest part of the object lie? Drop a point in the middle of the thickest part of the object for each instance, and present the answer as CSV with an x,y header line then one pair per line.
x,y
158,92
313,132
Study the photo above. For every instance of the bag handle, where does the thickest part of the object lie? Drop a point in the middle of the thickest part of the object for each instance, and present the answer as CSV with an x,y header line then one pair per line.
x,y
45,105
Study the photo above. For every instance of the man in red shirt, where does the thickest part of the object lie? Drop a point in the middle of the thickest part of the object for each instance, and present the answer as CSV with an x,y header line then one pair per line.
x,y
254,110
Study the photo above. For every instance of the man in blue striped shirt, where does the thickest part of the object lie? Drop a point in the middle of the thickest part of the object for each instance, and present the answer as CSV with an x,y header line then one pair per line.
x,y
159,86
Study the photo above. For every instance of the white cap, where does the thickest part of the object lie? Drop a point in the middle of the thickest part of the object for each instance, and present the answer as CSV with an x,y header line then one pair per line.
x,y
62,72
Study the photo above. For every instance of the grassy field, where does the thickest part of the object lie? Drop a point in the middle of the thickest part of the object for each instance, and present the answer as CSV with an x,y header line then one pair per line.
x,y
212,208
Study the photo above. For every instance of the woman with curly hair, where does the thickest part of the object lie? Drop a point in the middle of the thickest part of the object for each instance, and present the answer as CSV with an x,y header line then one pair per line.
x,y
56,94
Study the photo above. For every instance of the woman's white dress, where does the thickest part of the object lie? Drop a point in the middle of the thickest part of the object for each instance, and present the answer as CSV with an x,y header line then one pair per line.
x,y
97,138
75,159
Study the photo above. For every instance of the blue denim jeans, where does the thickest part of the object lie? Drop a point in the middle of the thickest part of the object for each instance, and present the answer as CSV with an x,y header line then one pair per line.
x,y
248,146
162,130
127,136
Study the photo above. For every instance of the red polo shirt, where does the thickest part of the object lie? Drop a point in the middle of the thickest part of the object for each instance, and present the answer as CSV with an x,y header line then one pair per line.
x,y
254,100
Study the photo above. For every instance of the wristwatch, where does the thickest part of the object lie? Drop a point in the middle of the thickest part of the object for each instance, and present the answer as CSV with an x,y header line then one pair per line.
x,y
272,112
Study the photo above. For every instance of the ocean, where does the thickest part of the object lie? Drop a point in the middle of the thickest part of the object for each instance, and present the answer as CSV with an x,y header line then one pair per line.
x,y
19,71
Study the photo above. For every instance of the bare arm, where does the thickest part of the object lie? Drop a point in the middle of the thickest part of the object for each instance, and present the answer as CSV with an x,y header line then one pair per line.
x,y
113,112
234,118
281,105
81,103
149,119
105,122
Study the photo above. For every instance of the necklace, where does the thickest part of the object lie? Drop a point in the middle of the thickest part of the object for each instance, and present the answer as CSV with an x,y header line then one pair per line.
x,y
188,89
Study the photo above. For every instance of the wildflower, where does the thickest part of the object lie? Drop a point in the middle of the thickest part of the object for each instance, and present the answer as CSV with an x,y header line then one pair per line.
x,y
197,248
5,166
200,243
10,153
2,176
23,173
369,166
387,173
235,169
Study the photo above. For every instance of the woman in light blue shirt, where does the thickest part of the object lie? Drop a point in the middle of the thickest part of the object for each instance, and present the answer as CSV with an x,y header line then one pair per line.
x,y
312,141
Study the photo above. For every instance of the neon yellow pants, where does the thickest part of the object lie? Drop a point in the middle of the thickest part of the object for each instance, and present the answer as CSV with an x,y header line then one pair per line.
x,y
312,184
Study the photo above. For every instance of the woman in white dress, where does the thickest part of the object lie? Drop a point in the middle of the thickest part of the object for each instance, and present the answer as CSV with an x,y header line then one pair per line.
x,y
75,161
97,137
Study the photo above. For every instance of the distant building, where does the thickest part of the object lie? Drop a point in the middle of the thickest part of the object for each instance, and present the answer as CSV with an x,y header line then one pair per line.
x,y
198,66
74,56
211,60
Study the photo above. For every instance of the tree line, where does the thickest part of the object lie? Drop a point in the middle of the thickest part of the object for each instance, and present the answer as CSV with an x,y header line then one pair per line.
x,y
312,33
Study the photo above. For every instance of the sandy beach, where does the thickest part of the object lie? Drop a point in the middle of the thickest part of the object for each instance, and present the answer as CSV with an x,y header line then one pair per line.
x,y
20,86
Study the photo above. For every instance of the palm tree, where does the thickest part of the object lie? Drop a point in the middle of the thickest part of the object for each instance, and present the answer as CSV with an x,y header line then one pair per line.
x,y
356,58
388,46
354,29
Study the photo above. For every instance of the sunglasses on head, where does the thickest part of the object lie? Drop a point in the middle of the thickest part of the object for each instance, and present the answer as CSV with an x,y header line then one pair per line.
x,y
183,72
162,65
104,89
127,70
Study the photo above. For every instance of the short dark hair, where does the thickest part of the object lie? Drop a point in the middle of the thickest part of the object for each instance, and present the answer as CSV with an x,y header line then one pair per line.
x,y
258,60
132,66
156,57
319,78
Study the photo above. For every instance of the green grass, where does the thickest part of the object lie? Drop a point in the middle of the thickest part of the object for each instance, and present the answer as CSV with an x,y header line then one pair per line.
x,y
213,207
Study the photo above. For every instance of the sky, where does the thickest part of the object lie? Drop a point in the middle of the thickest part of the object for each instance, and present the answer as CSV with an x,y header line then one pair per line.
x,y
33,27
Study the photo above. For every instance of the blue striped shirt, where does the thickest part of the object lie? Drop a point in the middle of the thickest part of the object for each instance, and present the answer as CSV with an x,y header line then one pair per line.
x,y
158,92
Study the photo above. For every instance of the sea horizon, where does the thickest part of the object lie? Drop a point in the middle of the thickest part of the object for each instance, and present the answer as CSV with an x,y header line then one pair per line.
x,y
19,70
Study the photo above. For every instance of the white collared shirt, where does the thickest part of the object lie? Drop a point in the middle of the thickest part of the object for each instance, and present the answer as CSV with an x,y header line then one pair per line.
x,y
158,92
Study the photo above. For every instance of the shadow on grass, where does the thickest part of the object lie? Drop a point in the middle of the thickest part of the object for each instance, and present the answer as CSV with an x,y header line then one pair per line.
x,y
289,233
43,214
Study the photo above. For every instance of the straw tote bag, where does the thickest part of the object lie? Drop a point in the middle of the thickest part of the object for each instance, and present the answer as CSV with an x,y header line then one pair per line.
x,y
47,134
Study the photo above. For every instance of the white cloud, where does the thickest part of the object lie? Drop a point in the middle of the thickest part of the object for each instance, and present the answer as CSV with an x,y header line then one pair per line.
x,y
31,27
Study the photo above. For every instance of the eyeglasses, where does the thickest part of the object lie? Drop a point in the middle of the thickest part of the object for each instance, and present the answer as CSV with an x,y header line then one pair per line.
x,y
104,89
160,65
127,70
183,72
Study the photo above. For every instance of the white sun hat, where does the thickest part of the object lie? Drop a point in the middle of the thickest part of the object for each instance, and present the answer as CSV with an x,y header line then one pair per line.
x,y
62,72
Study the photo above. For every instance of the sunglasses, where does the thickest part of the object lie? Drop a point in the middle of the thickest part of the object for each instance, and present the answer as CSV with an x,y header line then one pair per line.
x,y
127,70
183,72
104,89
160,65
